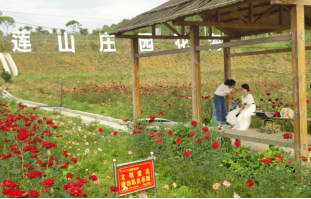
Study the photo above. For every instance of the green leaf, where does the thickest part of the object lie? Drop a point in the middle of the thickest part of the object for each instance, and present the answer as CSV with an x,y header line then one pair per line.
x,y
70,167
65,172
66,194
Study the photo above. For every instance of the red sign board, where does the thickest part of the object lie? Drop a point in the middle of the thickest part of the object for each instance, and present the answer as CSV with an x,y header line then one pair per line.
x,y
135,176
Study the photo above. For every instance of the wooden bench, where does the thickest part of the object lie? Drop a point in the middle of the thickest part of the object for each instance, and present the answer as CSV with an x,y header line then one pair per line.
x,y
276,118
254,135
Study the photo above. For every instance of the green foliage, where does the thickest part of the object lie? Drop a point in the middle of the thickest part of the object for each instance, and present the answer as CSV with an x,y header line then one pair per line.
x,y
6,76
7,22
73,25
84,31
41,90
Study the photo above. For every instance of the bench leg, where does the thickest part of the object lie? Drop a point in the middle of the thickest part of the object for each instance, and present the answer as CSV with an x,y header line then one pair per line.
x,y
271,146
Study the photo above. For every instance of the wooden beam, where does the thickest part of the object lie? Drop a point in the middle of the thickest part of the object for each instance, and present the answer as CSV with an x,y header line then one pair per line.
x,y
285,50
245,42
210,31
174,37
234,25
234,11
281,8
165,52
299,82
182,30
265,14
251,12
218,15
195,74
135,79
153,30
172,29
227,72
291,2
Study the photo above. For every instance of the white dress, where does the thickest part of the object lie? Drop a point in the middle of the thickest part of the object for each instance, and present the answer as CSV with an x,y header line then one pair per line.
x,y
243,121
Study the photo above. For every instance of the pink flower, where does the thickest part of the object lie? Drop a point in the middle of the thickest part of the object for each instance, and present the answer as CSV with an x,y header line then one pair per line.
x,y
95,151
94,133
87,150
142,195
154,158
73,143
90,133
96,182
86,143
78,154
95,142
130,152
74,123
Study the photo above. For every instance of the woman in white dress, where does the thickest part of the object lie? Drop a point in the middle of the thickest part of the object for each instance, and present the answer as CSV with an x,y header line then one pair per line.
x,y
240,119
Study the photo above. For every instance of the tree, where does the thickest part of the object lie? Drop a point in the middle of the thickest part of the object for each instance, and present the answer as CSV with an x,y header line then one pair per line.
x,y
73,25
54,30
39,29
28,28
20,29
62,31
84,31
7,22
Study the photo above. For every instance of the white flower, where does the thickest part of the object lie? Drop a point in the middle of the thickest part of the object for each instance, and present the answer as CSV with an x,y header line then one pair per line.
x,y
86,169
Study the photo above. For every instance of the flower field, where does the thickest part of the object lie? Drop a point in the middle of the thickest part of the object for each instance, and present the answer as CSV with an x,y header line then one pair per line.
x,y
173,100
50,155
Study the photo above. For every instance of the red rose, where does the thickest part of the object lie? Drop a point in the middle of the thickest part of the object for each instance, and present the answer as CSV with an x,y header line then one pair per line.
x,y
207,137
178,140
6,140
115,132
287,135
194,123
93,177
187,153
69,175
84,195
152,117
34,193
160,113
35,174
48,182
249,183
159,141
134,132
159,134
309,149
279,158
126,120
49,121
75,191
304,158
34,156
237,143
7,191
113,188
15,194
45,190
205,129
265,160
152,134
74,159
219,128
100,130
215,145
198,141
191,133
22,135
170,132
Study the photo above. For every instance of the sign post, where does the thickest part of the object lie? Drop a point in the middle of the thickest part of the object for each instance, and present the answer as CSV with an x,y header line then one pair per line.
x,y
134,176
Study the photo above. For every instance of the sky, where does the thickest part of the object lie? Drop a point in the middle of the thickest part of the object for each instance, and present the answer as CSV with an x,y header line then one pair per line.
x,y
91,14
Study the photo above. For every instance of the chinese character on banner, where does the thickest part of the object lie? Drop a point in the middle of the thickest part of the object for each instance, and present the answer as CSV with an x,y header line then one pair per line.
x,y
183,43
215,41
135,177
66,49
145,44
111,46
24,41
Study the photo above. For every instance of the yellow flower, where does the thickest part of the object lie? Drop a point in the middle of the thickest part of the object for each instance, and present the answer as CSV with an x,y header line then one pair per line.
x,y
175,194
174,185
109,167
105,161
216,186
166,187
108,178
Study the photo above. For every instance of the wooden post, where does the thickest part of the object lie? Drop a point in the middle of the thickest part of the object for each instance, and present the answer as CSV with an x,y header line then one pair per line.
x,y
62,96
227,71
135,78
195,74
299,81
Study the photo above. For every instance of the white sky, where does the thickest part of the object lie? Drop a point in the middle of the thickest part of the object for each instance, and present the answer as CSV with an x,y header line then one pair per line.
x,y
91,14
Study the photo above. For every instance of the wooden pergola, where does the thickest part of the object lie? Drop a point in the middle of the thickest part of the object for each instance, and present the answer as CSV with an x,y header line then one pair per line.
x,y
235,18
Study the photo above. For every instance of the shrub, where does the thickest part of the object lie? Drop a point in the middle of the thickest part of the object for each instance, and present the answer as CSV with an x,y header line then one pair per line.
x,y
6,76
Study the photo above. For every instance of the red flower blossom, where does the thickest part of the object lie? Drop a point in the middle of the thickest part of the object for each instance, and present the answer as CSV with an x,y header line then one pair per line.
x,y
126,120
75,191
159,134
159,141
237,143
178,140
6,140
198,141
22,135
115,132
113,188
134,132
304,158
205,129
152,134
287,136
309,149
187,153
100,130
219,128
279,158
160,113
265,160
6,156
191,133
74,159
84,195
34,156
35,174
15,194
34,193
249,183
207,137
194,123
152,117
93,177
7,191
49,121
48,182
215,145
45,190
48,145
170,132
69,175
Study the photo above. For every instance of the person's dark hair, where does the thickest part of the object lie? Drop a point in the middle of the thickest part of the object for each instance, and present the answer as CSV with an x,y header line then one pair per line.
x,y
229,82
245,86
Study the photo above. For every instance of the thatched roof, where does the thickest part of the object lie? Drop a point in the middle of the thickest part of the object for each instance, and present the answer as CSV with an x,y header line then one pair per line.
x,y
171,10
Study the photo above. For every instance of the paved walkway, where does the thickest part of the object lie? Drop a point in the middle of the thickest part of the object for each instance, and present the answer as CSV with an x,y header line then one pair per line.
x,y
118,124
